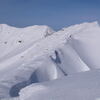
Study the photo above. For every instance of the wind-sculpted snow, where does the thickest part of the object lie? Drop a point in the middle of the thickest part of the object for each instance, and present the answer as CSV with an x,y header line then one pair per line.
x,y
80,86
37,54
70,61
86,43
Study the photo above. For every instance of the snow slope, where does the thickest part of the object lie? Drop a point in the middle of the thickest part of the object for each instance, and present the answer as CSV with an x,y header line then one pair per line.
x,y
87,41
37,54
80,86
18,39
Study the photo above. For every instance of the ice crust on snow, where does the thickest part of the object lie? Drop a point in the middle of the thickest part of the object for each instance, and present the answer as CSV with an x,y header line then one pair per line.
x,y
39,56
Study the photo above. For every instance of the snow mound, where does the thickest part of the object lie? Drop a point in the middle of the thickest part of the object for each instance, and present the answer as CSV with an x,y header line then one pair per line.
x,y
80,86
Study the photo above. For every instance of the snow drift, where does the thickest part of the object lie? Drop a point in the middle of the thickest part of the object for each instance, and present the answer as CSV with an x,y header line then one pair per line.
x,y
80,86
86,43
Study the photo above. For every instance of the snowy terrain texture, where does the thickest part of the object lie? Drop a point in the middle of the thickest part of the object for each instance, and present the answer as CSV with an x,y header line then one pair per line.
x,y
38,63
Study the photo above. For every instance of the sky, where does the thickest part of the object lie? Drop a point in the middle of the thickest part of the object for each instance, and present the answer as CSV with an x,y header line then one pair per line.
x,y
54,13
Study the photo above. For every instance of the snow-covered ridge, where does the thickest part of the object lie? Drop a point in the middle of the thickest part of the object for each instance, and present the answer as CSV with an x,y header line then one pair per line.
x,y
12,39
37,54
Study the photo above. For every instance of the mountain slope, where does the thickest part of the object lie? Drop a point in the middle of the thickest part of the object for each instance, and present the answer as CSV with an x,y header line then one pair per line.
x,y
12,39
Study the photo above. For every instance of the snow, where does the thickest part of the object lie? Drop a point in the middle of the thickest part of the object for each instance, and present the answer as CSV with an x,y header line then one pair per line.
x,y
38,62
12,57
80,86
18,39
86,43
